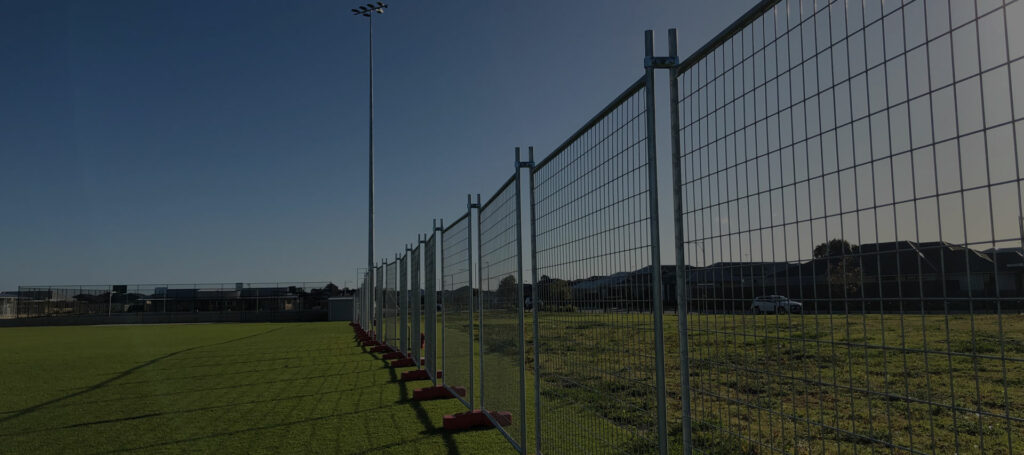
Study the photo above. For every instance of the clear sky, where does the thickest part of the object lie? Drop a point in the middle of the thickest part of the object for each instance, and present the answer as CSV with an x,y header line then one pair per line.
x,y
197,141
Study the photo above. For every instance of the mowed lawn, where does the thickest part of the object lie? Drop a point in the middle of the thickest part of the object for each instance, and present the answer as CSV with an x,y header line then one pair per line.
x,y
215,388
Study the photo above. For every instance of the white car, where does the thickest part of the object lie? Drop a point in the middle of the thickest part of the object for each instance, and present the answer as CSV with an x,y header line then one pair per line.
x,y
775,304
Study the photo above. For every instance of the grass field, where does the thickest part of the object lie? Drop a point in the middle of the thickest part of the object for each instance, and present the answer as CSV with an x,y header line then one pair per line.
x,y
847,384
791,383
213,388
762,384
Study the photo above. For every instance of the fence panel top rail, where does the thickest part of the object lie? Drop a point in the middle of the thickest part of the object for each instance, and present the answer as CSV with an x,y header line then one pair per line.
x,y
750,16
498,193
612,106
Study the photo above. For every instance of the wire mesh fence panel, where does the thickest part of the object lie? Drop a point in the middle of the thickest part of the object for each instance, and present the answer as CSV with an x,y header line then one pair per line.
x,y
391,304
403,304
358,296
593,297
851,235
415,305
378,305
361,302
430,303
502,392
457,303
368,301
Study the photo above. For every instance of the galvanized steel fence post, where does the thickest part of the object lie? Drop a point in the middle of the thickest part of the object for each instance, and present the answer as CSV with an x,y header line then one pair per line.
x,y
535,304
682,300
655,226
520,302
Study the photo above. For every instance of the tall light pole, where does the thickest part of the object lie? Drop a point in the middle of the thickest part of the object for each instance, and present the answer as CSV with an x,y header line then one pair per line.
x,y
367,11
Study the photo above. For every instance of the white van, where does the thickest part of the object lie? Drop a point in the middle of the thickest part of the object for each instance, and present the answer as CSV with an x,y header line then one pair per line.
x,y
775,304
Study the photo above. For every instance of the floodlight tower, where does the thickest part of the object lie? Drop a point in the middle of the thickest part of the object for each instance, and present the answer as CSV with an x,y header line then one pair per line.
x,y
367,11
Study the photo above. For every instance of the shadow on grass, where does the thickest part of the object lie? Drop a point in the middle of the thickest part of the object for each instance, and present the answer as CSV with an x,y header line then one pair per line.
x,y
421,414
186,411
25,411
192,391
243,431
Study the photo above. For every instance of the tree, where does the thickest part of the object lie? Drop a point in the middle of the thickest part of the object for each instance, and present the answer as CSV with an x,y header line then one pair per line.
x,y
842,267
556,291
507,289
834,248
332,290
844,276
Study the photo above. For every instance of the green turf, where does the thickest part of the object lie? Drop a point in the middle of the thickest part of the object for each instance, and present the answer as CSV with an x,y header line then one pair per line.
x,y
758,381
214,388
782,383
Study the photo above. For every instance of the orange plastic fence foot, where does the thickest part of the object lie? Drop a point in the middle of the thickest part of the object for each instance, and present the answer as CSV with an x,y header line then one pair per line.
x,y
415,375
436,393
475,419
402,363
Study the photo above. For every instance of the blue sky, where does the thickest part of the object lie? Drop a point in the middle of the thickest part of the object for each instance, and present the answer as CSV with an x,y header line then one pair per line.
x,y
195,141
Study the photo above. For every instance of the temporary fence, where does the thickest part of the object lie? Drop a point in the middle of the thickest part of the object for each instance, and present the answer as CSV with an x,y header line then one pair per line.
x,y
391,304
857,162
378,305
403,303
430,277
364,300
502,357
80,300
457,325
599,333
415,328
848,237
367,312
357,301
